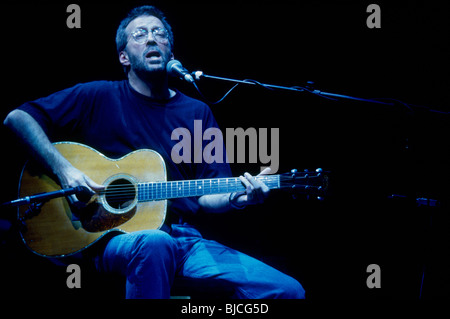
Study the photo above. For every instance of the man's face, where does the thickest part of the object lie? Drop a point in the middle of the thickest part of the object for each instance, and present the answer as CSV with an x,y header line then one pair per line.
x,y
150,57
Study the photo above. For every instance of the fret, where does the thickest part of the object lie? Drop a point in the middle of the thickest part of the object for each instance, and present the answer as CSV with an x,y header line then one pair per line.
x,y
195,188
219,185
174,188
152,190
189,192
199,187
214,186
164,190
223,185
169,190
140,193
180,189
184,188
161,190
206,186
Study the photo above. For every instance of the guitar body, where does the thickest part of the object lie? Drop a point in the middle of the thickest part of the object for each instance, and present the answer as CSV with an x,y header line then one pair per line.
x,y
57,229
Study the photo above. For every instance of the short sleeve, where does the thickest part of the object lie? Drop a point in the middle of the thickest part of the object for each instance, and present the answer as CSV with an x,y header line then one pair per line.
x,y
60,113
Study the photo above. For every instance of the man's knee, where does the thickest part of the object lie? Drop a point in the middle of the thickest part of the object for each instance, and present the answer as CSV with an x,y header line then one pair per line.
x,y
154,242
295,291
151,266
291,289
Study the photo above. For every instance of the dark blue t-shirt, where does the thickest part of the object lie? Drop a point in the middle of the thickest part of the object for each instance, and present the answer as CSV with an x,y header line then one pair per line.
x,y
114,119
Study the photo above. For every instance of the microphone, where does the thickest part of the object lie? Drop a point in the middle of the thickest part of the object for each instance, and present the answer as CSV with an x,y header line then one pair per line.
x,y
174,68
83,194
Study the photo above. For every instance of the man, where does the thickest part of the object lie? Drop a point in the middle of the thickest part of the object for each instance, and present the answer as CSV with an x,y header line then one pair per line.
x,y
141,112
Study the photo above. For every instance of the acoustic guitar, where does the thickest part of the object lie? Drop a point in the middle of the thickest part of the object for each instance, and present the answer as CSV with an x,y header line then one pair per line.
x,y
134,198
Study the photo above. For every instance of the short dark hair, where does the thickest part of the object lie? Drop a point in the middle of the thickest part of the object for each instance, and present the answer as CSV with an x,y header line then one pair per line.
x,y
122,37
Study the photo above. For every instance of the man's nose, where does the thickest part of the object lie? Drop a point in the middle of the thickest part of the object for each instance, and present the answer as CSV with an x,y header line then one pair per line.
x,y
151,38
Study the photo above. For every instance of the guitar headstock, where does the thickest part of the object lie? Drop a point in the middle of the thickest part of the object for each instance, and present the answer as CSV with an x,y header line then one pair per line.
x,y
306,182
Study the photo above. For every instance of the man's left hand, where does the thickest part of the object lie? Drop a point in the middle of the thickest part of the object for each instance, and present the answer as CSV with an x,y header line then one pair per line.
x,y
255,190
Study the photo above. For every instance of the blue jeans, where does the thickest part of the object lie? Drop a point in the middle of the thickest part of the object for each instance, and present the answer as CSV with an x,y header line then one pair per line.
x,y
151,260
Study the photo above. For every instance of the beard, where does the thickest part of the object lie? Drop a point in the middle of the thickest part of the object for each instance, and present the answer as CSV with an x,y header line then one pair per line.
x,y
148,70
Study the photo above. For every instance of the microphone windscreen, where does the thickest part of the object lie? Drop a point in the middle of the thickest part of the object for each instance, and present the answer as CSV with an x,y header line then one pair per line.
x,y
171,65
83,194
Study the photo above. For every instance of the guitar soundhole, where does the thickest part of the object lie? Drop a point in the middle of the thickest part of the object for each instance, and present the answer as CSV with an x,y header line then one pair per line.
x,y
120,193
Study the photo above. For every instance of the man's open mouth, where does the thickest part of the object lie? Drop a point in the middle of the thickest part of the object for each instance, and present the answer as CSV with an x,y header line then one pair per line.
x,y
153,53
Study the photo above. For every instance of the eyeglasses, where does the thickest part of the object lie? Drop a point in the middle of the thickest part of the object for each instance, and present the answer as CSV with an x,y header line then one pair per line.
x,y
159,34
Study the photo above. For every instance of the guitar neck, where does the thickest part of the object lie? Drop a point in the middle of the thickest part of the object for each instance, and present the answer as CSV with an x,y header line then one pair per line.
x,y
190,188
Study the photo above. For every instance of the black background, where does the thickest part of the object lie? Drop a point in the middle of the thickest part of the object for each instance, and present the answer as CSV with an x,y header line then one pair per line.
x,y
372,150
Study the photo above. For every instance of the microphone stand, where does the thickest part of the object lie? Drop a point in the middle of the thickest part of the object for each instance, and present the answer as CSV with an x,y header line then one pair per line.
x,y
199,74
419,201
44,197
38,200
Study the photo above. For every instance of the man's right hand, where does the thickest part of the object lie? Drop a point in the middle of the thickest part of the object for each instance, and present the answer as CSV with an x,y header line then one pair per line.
x,y
73,177
41,149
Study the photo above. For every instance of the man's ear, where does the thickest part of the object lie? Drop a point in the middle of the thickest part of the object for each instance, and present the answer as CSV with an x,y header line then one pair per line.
x,y
123,58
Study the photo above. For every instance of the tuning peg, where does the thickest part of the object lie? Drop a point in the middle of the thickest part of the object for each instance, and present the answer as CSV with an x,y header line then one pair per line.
x,y
319,170
293,173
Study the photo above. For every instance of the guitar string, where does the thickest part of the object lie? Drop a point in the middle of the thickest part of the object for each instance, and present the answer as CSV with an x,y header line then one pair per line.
x,y
126,191
188,184
120,192
184,184
196,183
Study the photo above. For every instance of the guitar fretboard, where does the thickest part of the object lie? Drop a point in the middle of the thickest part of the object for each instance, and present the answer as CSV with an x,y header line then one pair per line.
x,y
190,188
